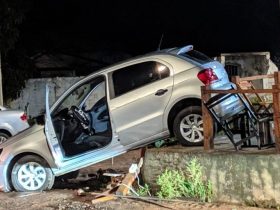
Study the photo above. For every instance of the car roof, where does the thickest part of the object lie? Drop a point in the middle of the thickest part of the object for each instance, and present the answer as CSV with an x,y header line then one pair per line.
x,y
176,51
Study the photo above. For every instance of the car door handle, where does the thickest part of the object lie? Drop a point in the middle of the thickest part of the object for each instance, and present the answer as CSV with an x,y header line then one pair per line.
x,y
161,92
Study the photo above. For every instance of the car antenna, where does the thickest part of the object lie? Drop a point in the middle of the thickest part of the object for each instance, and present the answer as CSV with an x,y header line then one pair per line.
x,y
160,41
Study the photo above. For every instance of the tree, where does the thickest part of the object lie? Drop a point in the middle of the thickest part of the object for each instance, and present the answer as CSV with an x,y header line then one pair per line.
x,y
12,14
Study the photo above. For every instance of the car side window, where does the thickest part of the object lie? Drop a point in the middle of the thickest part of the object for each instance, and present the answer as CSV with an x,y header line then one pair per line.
x,y
138,75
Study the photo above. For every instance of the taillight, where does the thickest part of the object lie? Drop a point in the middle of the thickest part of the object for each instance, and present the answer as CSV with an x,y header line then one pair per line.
x,y
207,76
23,117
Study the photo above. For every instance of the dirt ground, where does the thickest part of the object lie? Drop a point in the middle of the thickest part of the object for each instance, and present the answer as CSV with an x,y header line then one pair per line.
x,y
66,199
64,194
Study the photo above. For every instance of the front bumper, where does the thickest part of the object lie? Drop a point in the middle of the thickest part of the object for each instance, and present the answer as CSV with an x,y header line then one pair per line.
x,y
4,183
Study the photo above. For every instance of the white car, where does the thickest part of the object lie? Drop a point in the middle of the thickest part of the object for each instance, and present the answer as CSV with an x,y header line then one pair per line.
x,y
119,108
11,123
2,108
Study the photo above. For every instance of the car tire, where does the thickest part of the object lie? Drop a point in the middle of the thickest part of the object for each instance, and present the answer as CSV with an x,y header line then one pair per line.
x,y
31,173
187,126
3,137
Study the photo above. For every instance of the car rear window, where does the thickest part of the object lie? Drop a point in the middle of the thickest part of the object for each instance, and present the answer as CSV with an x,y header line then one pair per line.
x,y
196,56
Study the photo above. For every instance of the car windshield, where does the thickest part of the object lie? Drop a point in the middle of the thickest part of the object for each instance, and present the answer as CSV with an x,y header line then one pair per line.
x,y
76,97
79,94
196,56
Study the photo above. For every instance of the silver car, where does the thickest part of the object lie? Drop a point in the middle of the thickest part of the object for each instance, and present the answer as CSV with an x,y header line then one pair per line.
x,y
109,112
11,123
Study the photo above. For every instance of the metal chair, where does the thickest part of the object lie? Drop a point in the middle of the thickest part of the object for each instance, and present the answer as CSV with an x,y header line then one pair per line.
x,y
229,108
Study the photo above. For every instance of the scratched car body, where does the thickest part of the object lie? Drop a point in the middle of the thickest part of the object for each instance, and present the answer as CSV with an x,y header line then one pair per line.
x,y
114,110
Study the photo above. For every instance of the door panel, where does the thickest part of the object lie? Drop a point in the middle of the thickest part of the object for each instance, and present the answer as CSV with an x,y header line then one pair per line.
x,y
51,135
78,123
138,114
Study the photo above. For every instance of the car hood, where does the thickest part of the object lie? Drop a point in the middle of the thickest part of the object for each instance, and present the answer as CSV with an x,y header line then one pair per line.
x,y
29,131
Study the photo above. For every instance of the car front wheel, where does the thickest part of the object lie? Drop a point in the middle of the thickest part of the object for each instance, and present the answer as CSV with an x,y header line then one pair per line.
x,y
31,173
188,127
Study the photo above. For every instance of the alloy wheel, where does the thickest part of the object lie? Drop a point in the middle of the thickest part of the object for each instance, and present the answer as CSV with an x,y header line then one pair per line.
x,y
191,128
32,176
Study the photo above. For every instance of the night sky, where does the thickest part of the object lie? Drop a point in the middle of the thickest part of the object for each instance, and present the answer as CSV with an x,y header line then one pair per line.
x,y
135,27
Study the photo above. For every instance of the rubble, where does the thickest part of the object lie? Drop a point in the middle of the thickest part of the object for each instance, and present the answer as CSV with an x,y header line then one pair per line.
x,y
80,192
117,183
109,183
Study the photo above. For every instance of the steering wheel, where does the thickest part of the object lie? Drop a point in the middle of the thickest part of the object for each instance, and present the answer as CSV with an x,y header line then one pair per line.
x,y
82,118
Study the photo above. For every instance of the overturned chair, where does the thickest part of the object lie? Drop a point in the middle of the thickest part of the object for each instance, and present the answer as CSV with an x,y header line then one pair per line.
x,y
232,110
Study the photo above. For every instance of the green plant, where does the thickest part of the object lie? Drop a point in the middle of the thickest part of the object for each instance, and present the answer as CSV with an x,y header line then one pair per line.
x,y
196,185
171,184
144,190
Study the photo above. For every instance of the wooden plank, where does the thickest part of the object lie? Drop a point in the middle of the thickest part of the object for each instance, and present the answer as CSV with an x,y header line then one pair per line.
x,y
129,179
243,91
105,193
277,78
276,109
126,184
251,78
143,151
207,122
235,79
276,116
246,85
103,199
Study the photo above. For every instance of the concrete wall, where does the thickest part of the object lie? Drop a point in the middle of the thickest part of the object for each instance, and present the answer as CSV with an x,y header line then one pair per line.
x,y
250,64
236,177
34,93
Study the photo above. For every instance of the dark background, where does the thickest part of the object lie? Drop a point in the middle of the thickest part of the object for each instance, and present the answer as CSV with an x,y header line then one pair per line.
x,y
135,27
95,33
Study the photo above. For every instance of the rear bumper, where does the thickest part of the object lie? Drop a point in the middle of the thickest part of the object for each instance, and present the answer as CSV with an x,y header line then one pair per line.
x,y
22,127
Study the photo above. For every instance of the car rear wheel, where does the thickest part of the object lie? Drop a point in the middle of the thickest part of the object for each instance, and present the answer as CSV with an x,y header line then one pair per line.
x,y
31,173
3,137
187,126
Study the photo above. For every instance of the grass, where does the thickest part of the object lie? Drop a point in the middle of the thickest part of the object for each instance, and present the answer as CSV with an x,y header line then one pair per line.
x,y
171,184
144,191
188,183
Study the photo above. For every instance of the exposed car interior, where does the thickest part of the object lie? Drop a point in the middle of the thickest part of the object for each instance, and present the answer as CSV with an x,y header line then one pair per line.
x,y
82,121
